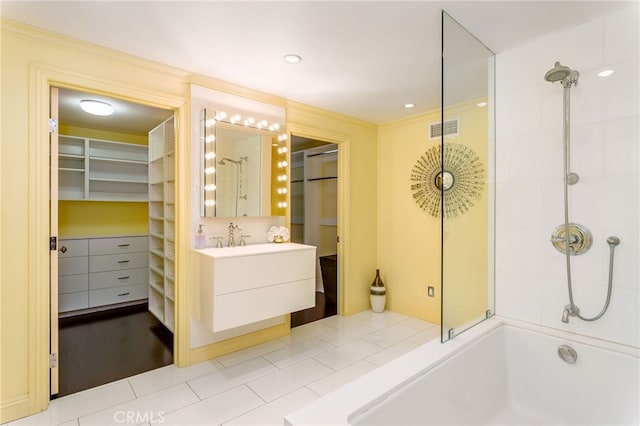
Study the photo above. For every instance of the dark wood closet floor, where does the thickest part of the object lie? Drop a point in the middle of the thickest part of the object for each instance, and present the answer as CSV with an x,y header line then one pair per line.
x,y
321,310
99,348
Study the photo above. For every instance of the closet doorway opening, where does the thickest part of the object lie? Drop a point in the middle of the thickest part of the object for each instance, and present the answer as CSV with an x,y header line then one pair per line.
x,y
113,290
314,213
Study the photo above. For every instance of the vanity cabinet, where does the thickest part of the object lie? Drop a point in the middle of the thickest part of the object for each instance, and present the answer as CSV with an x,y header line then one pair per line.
x,y
161,256
100,170
243,285
97,272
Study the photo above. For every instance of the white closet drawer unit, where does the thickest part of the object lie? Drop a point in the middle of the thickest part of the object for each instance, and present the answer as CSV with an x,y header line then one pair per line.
x,y
73,283
73,248
108,296
114,262
73,301
73,265
118,245
125,277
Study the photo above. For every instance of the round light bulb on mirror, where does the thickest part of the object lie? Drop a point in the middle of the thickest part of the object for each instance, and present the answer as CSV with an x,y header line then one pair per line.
x,y
210,138
210,155
210,170
209,203
210,187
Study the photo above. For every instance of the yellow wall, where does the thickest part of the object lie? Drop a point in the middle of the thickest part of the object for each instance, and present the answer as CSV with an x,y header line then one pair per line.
x,y
409,238
83,132
31,61
95,218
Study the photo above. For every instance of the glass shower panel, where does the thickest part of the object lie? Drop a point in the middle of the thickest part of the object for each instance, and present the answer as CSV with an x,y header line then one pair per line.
x,y
466,180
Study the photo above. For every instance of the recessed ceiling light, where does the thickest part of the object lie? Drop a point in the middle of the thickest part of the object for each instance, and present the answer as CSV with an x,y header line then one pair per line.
x,y
96,107
481,104
605,73
292,58
409,105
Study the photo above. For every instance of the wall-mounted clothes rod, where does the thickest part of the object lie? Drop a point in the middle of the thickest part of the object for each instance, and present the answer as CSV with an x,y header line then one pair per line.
x,y
297,181
322,178
331,151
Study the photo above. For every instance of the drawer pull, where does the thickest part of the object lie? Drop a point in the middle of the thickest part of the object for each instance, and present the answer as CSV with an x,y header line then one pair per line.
x,y
63,249
124,278
123,261
124,245
124,294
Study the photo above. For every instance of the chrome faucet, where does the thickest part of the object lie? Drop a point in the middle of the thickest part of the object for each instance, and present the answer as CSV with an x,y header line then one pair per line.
x,y
231,242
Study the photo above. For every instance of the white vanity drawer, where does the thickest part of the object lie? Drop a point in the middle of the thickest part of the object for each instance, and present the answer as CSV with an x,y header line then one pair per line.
x,y
73,283
240,308
72,248
108,296
125,277
233,275
118,245
73,301
73,265
113,262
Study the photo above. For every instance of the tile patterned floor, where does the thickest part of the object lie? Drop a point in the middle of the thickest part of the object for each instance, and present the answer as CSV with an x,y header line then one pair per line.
x,y
254,386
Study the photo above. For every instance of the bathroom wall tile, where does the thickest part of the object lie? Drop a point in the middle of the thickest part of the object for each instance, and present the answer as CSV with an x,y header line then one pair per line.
x,y
621,35
272,414
516,116
390,335
621,149
297,352
306,332
341,377
217,409
170,375
220,381
251,352
279,383
345,355
392,352
518,203
80,404
145,409
518,296
526,256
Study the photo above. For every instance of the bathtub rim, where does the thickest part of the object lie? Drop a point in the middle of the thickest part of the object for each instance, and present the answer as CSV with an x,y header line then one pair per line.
x,y
353,399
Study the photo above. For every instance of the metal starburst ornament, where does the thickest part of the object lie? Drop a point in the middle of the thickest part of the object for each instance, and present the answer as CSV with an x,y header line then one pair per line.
x,y
453,190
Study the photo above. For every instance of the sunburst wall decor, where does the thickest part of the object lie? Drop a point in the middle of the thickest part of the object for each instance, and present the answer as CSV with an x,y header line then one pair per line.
x,y
461,182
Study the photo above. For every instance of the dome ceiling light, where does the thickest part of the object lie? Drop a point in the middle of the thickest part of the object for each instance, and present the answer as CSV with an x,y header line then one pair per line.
x,y
96,107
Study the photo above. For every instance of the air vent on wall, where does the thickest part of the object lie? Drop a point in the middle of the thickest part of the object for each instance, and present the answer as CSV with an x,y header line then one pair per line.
x,y
450,128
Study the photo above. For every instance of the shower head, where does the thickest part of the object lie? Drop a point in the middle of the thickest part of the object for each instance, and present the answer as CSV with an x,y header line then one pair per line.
x,y
557,73
223,161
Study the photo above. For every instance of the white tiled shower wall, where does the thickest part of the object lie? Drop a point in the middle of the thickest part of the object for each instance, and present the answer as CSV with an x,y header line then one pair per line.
x,y
531,281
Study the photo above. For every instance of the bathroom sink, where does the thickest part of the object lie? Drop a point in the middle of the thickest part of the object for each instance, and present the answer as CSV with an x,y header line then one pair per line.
x,y
251,249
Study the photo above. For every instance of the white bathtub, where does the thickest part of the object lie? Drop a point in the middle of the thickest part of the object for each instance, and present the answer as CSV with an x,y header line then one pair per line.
x,y
501,372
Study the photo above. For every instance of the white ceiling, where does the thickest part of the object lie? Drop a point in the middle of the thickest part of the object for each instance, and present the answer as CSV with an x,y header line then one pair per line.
x,y
365,59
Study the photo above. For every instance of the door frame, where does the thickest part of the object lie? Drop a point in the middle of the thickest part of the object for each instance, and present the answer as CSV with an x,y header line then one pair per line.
x,y
343,142
41,79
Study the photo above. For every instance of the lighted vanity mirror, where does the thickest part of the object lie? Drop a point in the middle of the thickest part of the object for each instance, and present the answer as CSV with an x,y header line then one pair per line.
x,y
239,154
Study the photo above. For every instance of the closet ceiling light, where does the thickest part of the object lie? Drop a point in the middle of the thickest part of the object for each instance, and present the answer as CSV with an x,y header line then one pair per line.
x,y
96,107
481,104
409,105
605,73
292,58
